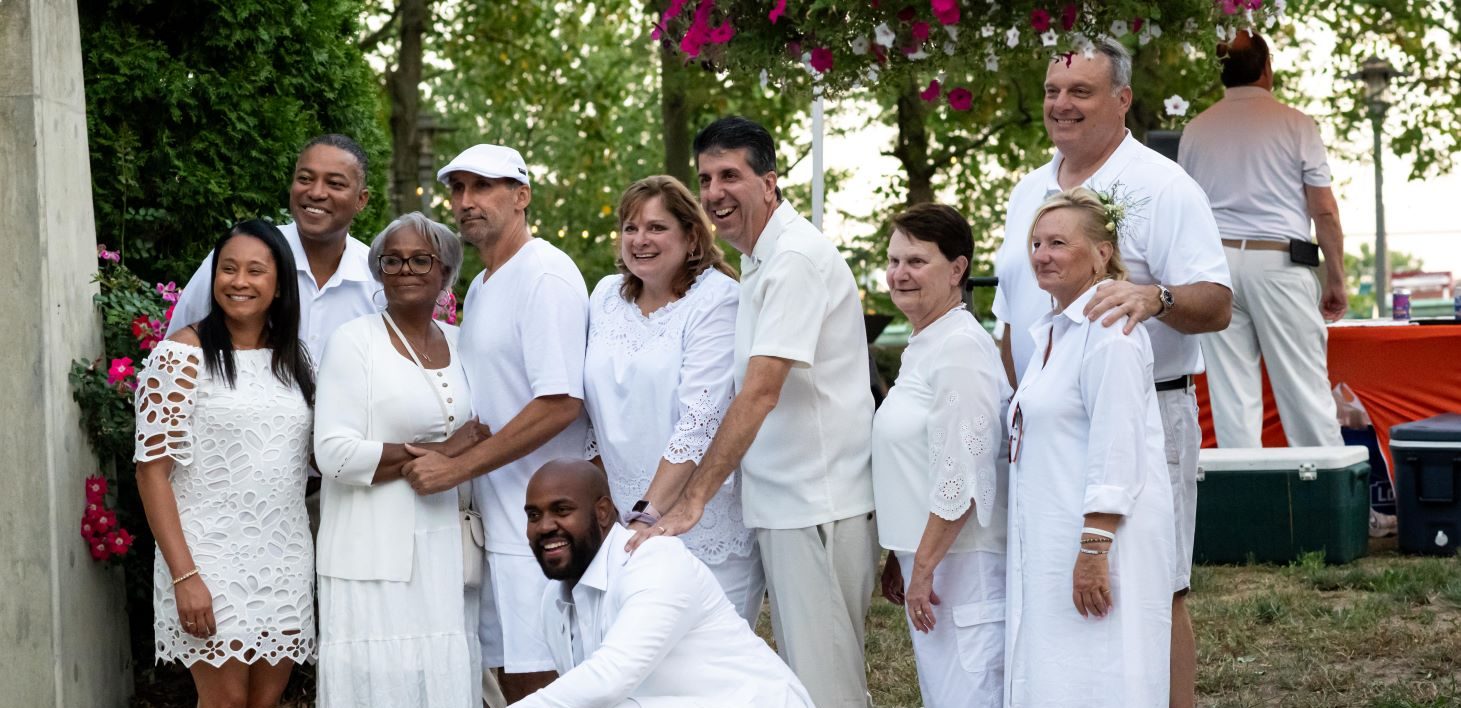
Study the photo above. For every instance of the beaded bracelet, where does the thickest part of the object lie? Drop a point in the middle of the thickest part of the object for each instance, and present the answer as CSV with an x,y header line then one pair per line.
x,y
185,576
1093,552
1095,540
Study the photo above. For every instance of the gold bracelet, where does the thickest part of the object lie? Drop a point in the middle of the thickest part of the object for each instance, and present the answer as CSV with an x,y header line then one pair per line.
x,y
1093,552
185,576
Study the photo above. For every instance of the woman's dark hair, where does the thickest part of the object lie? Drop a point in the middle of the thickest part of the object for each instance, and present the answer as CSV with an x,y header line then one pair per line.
x,y
290,362
681,205
943,226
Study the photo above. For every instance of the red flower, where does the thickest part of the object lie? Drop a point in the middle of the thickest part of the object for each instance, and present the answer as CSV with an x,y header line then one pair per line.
x,y
1040,19
1068,16
777,12
960,99
822,60
931,93
722,34
104,521
96,488
1136,23
946,11
120,370
99,550
88,529
907,14
167,316
920,30
119,542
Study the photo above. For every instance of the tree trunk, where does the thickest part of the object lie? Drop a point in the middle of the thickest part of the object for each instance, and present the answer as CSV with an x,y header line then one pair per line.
x,y
912,146
674,116
404,86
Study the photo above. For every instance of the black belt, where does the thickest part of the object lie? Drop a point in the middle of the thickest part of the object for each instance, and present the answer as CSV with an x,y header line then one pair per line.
x,y
1174,384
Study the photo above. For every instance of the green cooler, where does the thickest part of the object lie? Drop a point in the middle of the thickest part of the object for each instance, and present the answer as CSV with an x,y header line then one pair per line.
x,y
1275,504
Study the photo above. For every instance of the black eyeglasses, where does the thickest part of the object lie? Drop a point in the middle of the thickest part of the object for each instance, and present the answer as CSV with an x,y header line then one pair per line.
x,y
419,264
1017,432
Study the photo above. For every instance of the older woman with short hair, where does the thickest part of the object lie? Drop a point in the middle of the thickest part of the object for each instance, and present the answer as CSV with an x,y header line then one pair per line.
x,y
936,465
1091,543
393,627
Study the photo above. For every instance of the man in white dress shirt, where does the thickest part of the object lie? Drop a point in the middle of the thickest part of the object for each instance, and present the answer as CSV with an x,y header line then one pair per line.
x,y
648,629
1178,285
1263,167
523,334
335,286
801,423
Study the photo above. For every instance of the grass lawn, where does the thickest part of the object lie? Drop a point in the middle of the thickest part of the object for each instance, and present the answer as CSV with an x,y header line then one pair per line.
x,y
1382,632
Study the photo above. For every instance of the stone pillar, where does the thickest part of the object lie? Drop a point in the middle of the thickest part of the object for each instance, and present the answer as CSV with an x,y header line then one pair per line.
x,y
62,627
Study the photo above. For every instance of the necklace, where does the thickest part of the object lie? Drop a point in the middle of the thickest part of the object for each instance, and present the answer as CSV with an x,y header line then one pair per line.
x,y
422,349
406,341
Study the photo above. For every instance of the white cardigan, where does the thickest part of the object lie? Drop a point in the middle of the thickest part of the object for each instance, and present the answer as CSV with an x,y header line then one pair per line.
x,y
368,395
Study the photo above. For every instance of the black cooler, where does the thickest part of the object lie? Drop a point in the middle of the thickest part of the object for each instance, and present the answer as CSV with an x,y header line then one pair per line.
x,y
1427,456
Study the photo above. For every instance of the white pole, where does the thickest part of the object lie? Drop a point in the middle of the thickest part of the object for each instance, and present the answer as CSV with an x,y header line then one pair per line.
x,y
818,186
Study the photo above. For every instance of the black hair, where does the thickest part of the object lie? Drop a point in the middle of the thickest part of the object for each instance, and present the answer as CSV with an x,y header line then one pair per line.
x,y
342,142
943,226
290,361
738,132
1244,65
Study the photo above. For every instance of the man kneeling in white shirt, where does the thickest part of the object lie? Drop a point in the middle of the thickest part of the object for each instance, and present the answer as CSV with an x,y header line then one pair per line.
x,y
648,629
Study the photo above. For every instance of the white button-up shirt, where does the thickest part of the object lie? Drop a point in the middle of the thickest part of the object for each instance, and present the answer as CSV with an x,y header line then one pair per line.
x,y
1254,156
346,295
1169,238
656,630
811,460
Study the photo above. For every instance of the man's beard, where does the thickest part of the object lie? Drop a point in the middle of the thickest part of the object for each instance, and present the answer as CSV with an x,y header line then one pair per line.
x,y
582,552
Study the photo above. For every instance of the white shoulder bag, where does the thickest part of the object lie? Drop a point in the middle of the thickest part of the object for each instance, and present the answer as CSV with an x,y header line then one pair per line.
x,y
474,537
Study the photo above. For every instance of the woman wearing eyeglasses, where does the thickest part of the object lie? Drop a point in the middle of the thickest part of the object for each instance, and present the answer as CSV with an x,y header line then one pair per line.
x,y
393,614
1090,540
938,478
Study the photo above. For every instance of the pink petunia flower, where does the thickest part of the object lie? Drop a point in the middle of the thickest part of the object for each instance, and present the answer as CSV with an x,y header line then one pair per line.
x,y
120,370
960,99
946,11
670,13
822,60
777,12
96,488
103,254
722,34
104,521
168,291
920,30
119,542
1040,19
931,93
99,550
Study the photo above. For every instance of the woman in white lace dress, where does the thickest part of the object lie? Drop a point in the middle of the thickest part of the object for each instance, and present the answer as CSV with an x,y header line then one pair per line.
x,y
936,466
223,428
393,615
658,376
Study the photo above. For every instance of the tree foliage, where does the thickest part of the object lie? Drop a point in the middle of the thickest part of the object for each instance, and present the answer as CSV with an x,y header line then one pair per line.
x,y
196,110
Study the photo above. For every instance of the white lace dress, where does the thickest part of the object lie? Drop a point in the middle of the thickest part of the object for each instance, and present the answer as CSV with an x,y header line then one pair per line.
x,y
239,466
656,387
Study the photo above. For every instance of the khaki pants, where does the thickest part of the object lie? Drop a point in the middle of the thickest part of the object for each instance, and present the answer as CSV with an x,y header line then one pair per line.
x,y
821,581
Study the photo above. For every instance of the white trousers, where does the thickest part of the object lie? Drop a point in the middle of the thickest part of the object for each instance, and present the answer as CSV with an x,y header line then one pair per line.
x,y
744,582
820,580
961,661
1182,440
1276,319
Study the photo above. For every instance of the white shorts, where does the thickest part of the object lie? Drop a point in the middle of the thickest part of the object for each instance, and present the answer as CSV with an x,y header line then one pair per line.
x,y
511,616
1183,438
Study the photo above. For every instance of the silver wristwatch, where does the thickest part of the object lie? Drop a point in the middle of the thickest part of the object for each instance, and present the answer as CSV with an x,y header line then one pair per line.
x,y
1164,296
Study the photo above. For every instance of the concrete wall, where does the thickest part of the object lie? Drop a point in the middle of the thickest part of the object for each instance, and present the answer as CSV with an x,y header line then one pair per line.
x,y
62,627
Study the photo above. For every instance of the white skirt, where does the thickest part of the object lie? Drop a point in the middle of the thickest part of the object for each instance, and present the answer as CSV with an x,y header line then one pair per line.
x,y
394,644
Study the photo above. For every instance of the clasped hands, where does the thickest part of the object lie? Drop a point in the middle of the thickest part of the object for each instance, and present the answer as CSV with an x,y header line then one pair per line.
x,y
436,467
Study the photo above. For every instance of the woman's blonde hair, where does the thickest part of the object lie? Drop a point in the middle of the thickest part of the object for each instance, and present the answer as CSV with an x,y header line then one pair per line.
x,y
1098,224
681,205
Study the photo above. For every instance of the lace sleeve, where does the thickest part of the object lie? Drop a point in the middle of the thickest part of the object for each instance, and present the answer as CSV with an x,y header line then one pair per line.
x,y
962,435
707,376
166,391
590,443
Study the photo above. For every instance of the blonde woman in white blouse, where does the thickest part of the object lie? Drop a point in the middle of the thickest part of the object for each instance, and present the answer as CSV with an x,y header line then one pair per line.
x,y
658,376
936,466
394,618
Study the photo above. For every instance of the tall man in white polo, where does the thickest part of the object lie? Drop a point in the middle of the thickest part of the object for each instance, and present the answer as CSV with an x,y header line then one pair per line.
x,y
1178,283
524,329
801,420
1263,167
326,192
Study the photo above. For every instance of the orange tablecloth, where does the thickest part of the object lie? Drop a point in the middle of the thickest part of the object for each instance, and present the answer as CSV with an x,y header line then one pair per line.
x,y
1399,373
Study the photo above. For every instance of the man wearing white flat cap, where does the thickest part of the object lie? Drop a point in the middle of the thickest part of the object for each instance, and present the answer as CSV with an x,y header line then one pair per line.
x,y
523,335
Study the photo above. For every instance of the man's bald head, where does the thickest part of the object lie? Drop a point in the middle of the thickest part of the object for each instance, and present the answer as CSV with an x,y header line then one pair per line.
x,y
1245,61
569,511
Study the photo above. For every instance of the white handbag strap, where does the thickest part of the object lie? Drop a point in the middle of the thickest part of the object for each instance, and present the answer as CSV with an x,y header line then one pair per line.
x,y
445,414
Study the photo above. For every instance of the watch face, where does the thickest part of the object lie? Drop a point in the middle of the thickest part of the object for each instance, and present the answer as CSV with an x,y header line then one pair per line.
x,y
641,505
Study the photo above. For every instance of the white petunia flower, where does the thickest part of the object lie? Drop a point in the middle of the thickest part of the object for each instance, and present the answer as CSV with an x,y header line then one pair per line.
x,y
883,35
1119,28
765,79
1175,105
950,48
991,62
952,31
1012,37
1049,38
918,55
986,31
860,46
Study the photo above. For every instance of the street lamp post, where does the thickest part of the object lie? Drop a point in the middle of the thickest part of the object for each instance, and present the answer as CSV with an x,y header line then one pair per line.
x,y
1376,74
